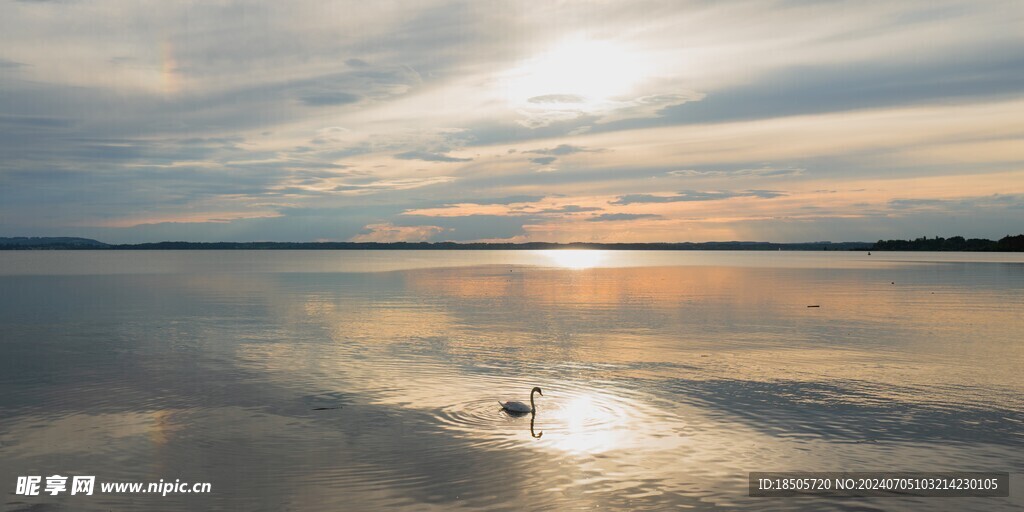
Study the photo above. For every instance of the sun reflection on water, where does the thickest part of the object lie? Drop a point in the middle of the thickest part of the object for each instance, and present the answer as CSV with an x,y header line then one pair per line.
x,y
593,423
576,258
579,436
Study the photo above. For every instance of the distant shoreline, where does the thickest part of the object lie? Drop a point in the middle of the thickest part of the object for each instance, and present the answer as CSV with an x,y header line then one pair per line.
x,y
953,244
441,246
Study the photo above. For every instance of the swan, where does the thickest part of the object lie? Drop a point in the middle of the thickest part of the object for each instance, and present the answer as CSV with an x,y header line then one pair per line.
x,y
519,407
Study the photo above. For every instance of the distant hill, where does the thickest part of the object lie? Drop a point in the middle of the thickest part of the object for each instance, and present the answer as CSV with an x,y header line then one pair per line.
x,y
58,242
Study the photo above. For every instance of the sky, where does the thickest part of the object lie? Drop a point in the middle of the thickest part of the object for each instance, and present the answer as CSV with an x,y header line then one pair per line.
x,y
626,121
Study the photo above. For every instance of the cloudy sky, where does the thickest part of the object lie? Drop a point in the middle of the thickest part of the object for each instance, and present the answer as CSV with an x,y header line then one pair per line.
x,y
131,121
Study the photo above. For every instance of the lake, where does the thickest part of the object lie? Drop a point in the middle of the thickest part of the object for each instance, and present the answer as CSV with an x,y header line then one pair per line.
x,y
359,380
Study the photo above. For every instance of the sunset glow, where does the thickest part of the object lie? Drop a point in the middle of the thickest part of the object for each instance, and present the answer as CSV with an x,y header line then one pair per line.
x,y
572,121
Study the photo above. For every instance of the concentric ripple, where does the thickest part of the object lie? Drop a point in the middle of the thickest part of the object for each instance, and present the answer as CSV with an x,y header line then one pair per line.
x,y
571,416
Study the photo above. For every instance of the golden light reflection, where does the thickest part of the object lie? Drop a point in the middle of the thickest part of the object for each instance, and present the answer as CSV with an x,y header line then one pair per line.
x,y
622,304
576,259
578,438
82,433
582,422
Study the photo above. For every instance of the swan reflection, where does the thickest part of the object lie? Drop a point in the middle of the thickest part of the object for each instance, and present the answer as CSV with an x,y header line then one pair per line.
x,y
516,409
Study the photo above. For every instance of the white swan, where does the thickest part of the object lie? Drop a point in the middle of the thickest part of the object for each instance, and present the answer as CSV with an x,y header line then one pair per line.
x,y
519,407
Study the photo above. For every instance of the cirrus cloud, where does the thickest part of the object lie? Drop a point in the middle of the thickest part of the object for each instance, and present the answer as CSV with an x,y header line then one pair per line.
x,y
612,217
693,195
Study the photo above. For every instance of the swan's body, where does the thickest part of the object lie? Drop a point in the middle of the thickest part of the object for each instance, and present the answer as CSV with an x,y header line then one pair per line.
x,y
519,407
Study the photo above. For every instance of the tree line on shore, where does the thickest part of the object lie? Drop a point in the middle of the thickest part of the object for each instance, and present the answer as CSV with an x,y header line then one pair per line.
x,y
956,243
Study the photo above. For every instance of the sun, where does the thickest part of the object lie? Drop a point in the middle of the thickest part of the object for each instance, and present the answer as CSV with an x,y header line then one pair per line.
x,y
577,71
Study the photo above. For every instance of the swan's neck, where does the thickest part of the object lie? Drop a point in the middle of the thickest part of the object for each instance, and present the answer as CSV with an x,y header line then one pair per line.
x,y
532,407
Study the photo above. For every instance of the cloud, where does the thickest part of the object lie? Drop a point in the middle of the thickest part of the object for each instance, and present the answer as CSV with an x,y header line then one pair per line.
x,y
609,217
507,200
557,98
387,232
9,64
693,195
368,185
570,208
959,204
647,107
763,172
523,207
321,99
916,204
276,108
555,152
557,109
427,156
562,150
24,122
472,227
804,89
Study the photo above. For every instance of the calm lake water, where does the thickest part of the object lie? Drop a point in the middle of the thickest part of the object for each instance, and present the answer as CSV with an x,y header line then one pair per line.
x,y
349,380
